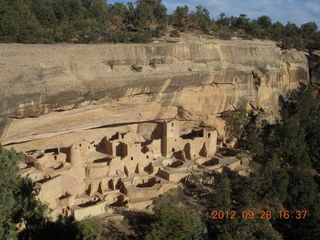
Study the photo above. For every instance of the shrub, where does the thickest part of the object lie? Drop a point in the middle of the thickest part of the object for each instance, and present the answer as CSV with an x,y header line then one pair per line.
x,y
225,35
162,60
136,68
152,63
110,63
174,222
157,33
139,37
175,33
119,37
236,121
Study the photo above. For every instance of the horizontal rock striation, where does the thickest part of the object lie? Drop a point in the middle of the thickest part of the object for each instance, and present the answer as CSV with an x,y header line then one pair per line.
x,y
55,94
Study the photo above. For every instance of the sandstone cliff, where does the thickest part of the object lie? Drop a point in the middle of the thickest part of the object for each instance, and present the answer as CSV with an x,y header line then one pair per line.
x,y
52,95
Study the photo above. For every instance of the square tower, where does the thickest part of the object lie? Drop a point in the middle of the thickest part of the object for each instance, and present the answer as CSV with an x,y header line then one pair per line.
x,y
210,139
170,138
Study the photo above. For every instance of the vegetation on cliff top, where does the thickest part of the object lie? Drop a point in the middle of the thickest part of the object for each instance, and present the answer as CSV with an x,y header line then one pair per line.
x,y
92,21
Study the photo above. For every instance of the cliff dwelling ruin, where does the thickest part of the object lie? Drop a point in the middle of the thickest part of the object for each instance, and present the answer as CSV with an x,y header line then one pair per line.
x,y
89,177
80,123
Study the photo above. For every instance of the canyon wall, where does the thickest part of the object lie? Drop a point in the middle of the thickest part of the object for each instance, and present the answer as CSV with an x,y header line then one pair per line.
x,y
54,95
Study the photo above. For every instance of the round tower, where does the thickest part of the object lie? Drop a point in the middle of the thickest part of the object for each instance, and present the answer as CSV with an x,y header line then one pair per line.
x,y
75,155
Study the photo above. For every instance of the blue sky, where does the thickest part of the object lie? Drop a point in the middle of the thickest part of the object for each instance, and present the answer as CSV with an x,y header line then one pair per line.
x,y
296,11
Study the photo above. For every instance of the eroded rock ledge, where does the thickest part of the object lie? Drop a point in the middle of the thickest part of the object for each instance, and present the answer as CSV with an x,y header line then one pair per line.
x,y
54,95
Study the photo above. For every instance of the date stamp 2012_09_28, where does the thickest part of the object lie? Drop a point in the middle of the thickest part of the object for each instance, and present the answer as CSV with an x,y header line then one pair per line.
x,y
263,214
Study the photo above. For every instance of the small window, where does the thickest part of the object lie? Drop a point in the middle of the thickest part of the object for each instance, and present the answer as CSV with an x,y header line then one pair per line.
x,y
172,124
147,157
80,145
131,158
55,157
209,135
173,149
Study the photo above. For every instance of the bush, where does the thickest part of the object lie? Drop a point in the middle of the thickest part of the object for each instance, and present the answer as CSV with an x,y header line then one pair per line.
x,y
139,37
175,223
152,63
225,35
110,63
157,33
124,36
236,121
62,228
88,37
175,33
136,68
162,60
119,37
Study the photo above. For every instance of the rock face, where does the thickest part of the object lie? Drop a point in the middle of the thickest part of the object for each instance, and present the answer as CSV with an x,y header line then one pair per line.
x,y
55,95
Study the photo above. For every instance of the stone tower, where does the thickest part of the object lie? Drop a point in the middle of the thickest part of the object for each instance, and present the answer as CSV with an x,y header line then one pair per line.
x,y
170,138
210,139
79,152
75,155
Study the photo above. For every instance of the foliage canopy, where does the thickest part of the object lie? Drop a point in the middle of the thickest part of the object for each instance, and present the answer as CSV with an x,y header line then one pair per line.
x,y
92,21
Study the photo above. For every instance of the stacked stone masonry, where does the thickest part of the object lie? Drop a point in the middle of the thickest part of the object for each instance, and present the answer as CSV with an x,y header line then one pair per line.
x,y
89,177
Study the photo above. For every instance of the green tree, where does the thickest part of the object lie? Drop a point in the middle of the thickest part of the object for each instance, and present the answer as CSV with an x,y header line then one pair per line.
x,y
277,31
293,136
118,10
309,29
264,26
44,11
151,12
221,198
236,122
181,17
62,228
202,17
225,236
9,23
264,21
18,204
242,22
67,11
309,33
223,20
28,25
9,182
175,224
97,9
